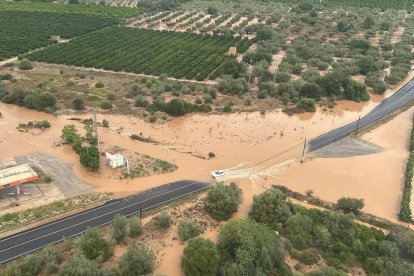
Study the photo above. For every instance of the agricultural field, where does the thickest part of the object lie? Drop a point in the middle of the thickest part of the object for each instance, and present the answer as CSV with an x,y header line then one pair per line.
x,y
269,7
180,55
24,31
197,22
98,10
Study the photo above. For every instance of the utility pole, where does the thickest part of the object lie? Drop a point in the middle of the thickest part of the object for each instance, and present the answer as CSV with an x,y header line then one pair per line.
x,y
356,131
303,152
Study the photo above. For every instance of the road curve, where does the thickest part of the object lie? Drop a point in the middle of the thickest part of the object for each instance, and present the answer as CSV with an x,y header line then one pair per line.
x,y
28,241
387,106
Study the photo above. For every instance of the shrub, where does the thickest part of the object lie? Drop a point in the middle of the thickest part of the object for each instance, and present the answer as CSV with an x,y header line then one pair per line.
x,y
227,109
78,103
200,258
110,96
163,220
350,205
51,258
228,85
248,101
307,104
6,77
79,265
135,226
119,230
308,257
153,118
25,64
138,260
105,104
223,200
282,77
271,208
93,246
188,228
99,85
31,265
141,101
105,123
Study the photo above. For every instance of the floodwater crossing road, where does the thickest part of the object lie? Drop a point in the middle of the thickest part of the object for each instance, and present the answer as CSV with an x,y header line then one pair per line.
x,y
398,100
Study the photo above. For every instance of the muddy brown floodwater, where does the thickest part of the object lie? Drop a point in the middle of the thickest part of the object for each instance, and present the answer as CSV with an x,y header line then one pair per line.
x,y
256,150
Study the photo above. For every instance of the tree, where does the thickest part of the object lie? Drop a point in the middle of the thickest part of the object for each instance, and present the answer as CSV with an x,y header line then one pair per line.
x,y
367,64
188,228
229,85
119,230
78,103
135,226
90,157
212,10
271,208
79,265
250,248
138,260
200,258
298,230
311,90
93,246
282,77
234,68
368,23
25,64
223,200
350,205
163,220
264,34
46,100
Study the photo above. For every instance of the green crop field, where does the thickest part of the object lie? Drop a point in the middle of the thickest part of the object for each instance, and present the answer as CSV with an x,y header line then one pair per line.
x,y
381,4
180,55
99,10
21,32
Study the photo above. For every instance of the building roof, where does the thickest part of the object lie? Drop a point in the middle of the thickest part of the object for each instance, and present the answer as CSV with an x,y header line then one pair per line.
x,y
16,175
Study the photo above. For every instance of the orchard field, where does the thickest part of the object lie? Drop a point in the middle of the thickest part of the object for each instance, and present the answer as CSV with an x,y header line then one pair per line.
x,y
179,55
24,31
98,10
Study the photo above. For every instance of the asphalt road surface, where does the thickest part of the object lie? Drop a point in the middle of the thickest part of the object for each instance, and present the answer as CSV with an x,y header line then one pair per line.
x,y
389,105
28,241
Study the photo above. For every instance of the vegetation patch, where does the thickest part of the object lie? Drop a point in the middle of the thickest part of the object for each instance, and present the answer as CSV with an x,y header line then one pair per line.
x,y
62,8
179,55
21,32
18,219
405,209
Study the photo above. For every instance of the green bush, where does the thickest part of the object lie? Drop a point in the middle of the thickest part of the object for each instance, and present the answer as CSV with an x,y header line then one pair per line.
x,y
111,96
200,258
223,200
188,228
307,104
78,103
135,226
138,260
105,104
119,231
350,205
93,246
163,220
141,101
308,257
105,123
79,265
99,85
25,64
90,157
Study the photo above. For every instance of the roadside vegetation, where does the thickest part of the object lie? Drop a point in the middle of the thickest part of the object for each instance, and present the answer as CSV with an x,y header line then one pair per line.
x,y
14,220
405,213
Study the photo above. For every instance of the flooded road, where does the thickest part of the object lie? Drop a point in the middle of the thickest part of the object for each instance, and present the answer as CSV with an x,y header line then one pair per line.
x,y
250,146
